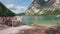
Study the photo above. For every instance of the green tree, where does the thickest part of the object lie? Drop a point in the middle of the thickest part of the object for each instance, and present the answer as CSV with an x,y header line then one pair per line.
x,y
5,12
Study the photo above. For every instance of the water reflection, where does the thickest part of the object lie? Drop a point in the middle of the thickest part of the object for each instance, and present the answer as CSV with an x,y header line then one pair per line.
x,y
41,19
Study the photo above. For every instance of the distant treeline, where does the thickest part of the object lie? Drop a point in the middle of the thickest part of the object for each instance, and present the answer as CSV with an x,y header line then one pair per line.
x,y
21,14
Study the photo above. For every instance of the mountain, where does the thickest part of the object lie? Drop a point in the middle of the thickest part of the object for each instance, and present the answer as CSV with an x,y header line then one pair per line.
x,y
44,7
21,14
4,12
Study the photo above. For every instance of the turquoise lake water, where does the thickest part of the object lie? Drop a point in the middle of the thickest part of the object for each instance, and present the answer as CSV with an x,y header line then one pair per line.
x,y
41,19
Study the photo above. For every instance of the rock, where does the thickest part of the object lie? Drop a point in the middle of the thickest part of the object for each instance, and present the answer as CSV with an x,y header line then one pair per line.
x,y
41,30
26,29
3,27
11,21
34,30
14,30
40,6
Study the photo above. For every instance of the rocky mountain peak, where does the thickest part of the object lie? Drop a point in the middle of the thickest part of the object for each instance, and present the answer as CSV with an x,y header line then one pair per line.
x,y
39,6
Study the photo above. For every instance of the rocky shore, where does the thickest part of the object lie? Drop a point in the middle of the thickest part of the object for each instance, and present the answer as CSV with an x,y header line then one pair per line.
x,y
11,21
41,30
12,25
6,22
31,29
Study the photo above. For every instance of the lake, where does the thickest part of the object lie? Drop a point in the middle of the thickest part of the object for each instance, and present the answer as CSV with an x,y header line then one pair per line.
x,y
41,20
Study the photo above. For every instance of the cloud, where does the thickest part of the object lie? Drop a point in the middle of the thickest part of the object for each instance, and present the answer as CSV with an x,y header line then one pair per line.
x,y
10,6
45,0
16,9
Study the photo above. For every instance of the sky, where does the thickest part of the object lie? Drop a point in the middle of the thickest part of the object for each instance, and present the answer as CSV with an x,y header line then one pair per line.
x,y
17,6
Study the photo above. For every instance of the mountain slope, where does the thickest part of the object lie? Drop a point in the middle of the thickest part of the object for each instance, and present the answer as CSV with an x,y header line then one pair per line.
x,y
5,11
43,6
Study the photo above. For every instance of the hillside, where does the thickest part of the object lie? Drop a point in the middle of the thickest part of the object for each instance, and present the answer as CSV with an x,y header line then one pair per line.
x,y
4,12
44,7
21,14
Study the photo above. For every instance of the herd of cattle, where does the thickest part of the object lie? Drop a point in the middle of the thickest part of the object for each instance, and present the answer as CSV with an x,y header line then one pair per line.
x,y
11,21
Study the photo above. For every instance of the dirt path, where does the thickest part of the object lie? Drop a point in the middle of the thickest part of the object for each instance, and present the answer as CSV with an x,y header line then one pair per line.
x,y
14,30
